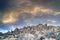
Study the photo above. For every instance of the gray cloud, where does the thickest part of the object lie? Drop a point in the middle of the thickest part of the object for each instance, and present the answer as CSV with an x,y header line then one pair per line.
x,y
17,9
53,4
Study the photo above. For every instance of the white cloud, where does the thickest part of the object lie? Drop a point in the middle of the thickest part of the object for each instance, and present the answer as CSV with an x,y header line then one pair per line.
x,y
51,21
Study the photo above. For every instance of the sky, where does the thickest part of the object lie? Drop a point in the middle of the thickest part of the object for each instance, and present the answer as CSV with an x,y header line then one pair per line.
x,y
20,13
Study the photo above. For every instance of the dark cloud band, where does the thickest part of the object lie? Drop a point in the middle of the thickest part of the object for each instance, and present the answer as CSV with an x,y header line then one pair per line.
x,y
4,4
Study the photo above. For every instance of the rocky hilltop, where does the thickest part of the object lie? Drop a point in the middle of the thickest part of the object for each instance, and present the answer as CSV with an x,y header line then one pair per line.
x,y
40,29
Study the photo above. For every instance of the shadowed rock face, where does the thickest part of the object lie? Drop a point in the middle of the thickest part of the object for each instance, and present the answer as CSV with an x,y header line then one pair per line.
x,y
1,34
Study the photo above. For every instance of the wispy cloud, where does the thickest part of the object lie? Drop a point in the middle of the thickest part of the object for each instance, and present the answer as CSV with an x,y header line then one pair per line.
x,y
51,21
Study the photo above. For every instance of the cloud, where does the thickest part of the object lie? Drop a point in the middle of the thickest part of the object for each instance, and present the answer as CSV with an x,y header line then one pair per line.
x,y
40,10
18,9
29,12
4,5
10,17
3,31
54,4
51,21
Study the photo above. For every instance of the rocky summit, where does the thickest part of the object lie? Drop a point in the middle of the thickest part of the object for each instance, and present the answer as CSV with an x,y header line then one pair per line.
x,y
38,32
